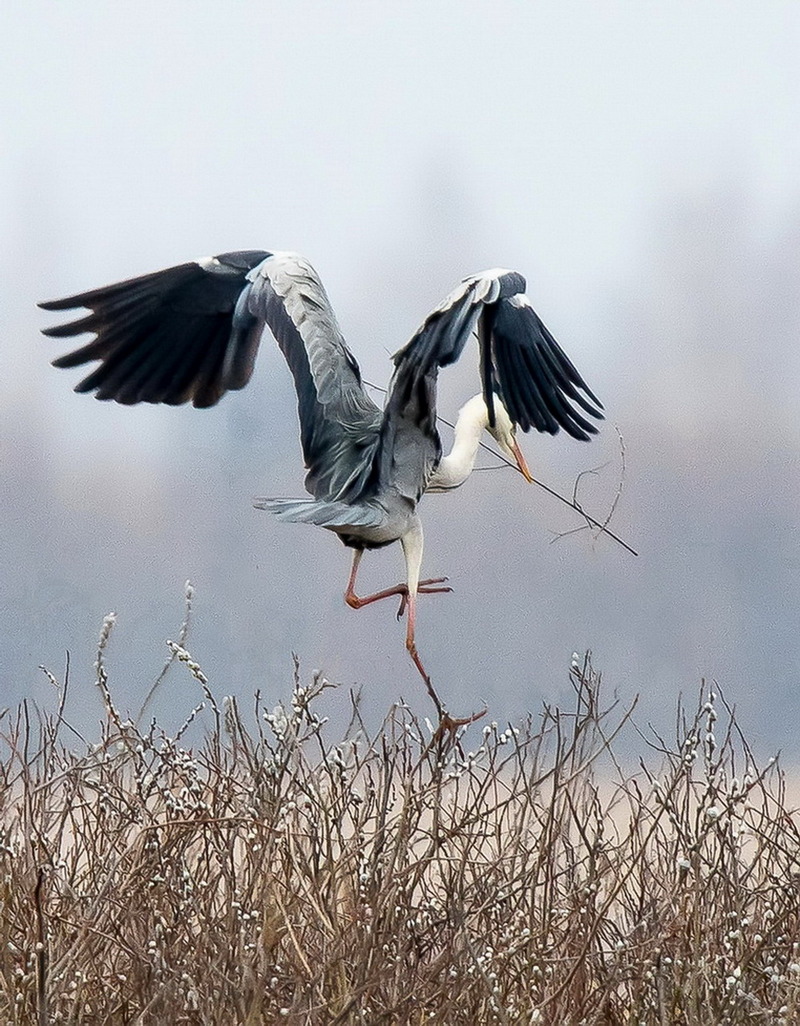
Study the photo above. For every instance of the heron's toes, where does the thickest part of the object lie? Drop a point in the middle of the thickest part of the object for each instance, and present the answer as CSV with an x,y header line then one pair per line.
x,y
427,590
429,586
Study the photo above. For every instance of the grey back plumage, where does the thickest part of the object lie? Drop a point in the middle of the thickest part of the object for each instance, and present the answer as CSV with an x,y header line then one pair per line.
x,y
339,423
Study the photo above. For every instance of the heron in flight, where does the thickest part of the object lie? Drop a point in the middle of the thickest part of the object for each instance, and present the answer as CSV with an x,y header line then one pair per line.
x,y
192,332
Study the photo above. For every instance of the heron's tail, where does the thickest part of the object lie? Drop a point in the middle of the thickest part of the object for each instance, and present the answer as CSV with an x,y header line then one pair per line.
x,y
324,514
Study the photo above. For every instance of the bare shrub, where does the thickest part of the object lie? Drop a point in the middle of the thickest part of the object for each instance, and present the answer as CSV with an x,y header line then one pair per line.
x,y
505,875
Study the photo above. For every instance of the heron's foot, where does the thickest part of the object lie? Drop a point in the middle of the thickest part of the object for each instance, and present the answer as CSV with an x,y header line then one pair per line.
x,y
449,725
425,587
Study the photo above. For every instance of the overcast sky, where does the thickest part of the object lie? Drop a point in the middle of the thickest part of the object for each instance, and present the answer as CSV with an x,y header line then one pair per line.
x,y
400,147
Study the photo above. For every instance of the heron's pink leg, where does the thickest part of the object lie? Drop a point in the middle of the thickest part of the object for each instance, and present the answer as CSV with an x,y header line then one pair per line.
x,y
412,548
412,651
447,724
357,602
412,648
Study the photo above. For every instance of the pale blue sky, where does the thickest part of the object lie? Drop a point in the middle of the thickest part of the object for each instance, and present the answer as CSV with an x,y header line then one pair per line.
x,y
400,147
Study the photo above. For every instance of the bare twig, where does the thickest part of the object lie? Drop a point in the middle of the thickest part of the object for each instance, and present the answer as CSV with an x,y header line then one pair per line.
x,y
183,633
590,521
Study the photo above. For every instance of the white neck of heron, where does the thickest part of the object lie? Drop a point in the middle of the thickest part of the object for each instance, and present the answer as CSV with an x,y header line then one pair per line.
x,y
458,464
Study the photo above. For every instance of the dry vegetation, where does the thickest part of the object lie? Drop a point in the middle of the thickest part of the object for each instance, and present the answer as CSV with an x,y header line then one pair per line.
x,y
519,875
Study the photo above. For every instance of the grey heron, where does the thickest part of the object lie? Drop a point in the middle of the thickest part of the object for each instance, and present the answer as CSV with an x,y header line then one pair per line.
x,y
191,332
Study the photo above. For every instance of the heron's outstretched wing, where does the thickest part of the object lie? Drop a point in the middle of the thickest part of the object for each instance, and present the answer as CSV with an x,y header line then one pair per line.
x,y
168,337
519,360
193,331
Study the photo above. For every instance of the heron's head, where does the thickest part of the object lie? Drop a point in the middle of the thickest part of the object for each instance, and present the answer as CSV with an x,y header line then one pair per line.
x,y
504,433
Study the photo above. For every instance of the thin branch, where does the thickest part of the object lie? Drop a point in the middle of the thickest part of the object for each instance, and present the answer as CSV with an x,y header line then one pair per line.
x,y
183,633
590,521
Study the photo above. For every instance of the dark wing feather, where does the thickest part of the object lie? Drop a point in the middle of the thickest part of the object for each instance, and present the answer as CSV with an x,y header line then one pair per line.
x,y
519,358
169,337
536,380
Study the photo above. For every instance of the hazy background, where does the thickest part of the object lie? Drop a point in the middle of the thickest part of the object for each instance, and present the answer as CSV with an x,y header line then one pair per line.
x,y
640,163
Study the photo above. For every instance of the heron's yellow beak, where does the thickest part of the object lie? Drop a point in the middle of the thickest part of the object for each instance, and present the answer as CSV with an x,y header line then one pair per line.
x,y
521,464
